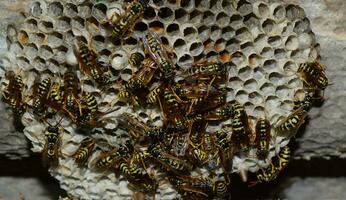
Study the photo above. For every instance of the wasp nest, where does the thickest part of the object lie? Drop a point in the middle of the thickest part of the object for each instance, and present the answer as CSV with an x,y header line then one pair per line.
x,y
78,74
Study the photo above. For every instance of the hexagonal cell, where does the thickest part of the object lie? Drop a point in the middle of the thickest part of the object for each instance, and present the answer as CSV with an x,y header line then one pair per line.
x,y
296,54
11,33
267,52
149,13
227,33
156,26
276,78
173,29
38,38
238,58
78,23
294,12
166,14
222,19
236,21
31,50
23,37
85,10
45,26
219,45
243,34
259,111
196,16
282,92
36,9
251,21
60,53
225,56
212,56
245,72
259,73
186,4
99,11
189,32
140,27
45,52
55,9
268,88
302,26
244,7
71,10
181,15
306,40
278,12
185,60
250,84
270,65
279,53
294,83
275,41
39,64
290,66
247,48
241,96
269,26
53,66
208,18
55,39
98,42
272,102
227,6
254,60
30,24
196,48
255,98
203,32
261,9
63,24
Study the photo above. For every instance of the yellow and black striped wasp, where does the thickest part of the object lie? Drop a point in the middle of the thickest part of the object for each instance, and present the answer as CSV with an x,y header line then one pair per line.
x,y
40,96
154,47
263,137
84,151
125,22
289,126
51,149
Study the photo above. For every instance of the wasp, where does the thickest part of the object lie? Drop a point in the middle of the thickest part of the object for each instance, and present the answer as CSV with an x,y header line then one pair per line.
x,y
84,151
107,159
170,162
241,127
136,59
220,188
215,72
221,113
155,94
263,129
192,188
196,155
201,105
89,64
209,146
306,103
193,91
71,90
314,75
135,127
277,165
197,130
13,94
225,152
40,96
51,148
126,21
154,48
289,126
55,97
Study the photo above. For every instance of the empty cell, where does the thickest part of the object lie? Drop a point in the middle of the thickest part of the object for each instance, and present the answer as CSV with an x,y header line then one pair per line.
x,y
156,26
78,23
261,10
294,83
85,10
196,16
272,102
72,11
212,56
45,52
208,17
97,42
235,82
306,40
165,13
53,66
31,50
270,65
238,58
296,54
276,78
38,38
247,47
268,26
280,53
190,32
227,33
241,96
140,27
294,12
196,48
99,11
267,52
55,9
30,24
275,41
245,72
278,12
186,59
244,8
259,73
302,26
181,15
204,32
179,43
63,24
215,32
259,111
219,45
254,60
149,13
292,43
282,92
36,9
251,20
46,26
186,4
39,64
243,34
268,88
290,66
251,84
55,39
236,21
173,29
222,19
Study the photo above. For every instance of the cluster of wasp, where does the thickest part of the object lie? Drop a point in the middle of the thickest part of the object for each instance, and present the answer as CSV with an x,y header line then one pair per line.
x,y
190,101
